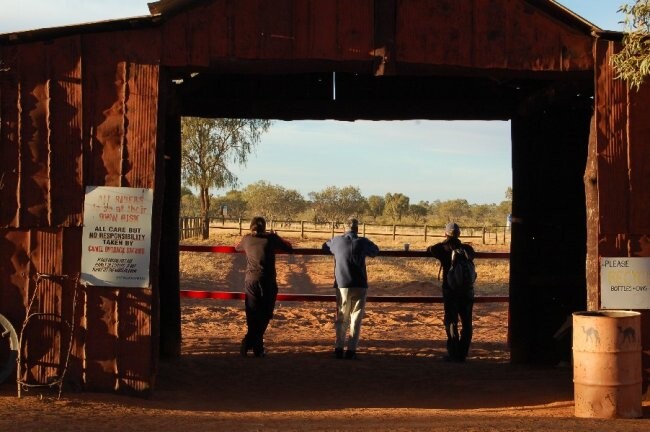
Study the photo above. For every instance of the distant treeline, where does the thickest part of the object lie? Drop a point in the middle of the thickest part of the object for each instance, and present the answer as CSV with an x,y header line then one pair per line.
x,y
336,204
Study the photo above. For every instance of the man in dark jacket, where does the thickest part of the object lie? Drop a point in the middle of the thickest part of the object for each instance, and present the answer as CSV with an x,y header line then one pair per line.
x,y
260,285
456,304
351,284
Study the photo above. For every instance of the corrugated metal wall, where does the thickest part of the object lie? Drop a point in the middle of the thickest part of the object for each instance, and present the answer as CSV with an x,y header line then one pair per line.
x,y
488,34
76,111
501,34
623,169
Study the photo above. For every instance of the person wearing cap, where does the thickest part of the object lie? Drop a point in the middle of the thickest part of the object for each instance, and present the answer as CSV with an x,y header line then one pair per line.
x,y
456,305
260,285
351,285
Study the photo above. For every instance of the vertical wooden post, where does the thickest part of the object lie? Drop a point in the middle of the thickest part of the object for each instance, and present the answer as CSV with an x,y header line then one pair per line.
x,y
394,231
483,235
239,223
332,229
302,230
425,233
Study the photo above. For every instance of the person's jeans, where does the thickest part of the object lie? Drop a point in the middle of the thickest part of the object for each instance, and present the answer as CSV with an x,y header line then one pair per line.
x,y
458,306
260,304
350,306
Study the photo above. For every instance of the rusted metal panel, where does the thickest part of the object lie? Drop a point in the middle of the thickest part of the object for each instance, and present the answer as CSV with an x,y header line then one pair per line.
x,y
121,72
33,102
488,34
613,182
355,34
43,123
639,160
135,356
277,36
15,264
9,126
142,116
104,83
121,79
66,179
259,29
623,170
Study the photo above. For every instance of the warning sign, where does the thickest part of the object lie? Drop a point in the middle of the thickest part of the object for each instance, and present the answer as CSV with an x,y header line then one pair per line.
x,y
116,236
625,283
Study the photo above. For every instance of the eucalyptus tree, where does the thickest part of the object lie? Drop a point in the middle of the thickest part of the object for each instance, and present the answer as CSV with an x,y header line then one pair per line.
x,y
210,147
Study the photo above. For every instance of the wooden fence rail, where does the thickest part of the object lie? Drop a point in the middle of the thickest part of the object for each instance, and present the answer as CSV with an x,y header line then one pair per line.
x,y
191,227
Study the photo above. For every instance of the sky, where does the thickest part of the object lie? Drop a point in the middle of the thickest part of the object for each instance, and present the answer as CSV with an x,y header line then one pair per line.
x,y
425,160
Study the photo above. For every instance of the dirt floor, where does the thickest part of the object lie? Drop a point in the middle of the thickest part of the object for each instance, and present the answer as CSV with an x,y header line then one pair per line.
x,y
398,383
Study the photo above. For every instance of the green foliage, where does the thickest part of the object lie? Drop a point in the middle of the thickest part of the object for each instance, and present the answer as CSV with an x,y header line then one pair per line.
x,y
235,203
375,206
209,146
632,63
335,204
418,212
273,201
396,206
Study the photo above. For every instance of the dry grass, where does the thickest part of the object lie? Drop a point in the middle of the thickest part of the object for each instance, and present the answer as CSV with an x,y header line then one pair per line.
x,y
313,274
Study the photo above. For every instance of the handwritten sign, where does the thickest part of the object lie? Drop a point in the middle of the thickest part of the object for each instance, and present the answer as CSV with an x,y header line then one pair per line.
x,y
625,283
116,236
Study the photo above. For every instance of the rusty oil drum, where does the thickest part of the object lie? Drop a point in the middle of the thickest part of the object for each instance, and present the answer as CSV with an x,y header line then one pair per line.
x,y
607,364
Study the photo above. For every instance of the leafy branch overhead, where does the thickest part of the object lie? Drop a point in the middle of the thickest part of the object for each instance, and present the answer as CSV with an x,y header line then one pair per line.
x,y
632,63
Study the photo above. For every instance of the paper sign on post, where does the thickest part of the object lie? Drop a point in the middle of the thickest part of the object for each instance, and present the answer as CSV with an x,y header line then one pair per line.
x,y
116,236
625,283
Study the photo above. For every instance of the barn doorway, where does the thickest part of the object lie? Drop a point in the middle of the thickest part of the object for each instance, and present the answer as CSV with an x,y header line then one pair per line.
x,y
549,114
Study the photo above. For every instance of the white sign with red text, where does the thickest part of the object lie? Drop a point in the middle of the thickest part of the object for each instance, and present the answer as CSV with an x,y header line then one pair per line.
x,y
116,236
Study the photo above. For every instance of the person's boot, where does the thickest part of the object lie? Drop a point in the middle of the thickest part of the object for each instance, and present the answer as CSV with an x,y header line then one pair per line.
x,y
244,347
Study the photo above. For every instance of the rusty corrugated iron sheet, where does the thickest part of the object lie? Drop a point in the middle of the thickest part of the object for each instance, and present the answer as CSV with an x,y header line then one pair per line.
x,y
208,33
497,34
494,34
623,206
76,111
622,132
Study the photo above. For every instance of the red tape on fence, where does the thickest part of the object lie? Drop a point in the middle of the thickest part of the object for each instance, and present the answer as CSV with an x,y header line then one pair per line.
x,y
391,253
229,295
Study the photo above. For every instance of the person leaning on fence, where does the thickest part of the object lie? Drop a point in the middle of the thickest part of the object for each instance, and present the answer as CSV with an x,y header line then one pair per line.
x,y
351,284
457,302
260,285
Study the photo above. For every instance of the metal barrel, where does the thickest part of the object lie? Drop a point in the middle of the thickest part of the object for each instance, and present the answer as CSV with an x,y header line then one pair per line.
x,y
607,364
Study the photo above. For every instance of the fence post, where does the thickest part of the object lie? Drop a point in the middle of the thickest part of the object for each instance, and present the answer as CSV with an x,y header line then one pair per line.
x,y
332,229
394,231
302,230
425,233
483,235
239,223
